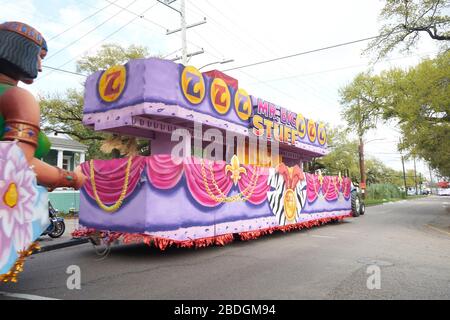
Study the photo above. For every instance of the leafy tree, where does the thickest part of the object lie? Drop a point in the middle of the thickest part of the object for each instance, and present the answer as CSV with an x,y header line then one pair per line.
x,y
361,103
419,100
64,114
110,55
405,20
361,110
343,155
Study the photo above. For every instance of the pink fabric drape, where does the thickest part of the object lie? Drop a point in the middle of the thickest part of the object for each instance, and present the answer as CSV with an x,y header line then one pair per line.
x,y
312,187
163,172
110,178
259,194
196,185
346,187
330,188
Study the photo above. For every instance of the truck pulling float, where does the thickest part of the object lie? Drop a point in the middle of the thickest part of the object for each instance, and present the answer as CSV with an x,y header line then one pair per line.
x,y
222,163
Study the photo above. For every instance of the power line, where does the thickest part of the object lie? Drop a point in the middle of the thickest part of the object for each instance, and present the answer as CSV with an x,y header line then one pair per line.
x,y
64,71
80,22
303,53
344,68
138,15
104,39
89,32
325,97
150,21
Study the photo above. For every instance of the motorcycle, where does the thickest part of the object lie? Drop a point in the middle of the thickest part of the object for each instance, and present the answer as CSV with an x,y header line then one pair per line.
x,y
57,226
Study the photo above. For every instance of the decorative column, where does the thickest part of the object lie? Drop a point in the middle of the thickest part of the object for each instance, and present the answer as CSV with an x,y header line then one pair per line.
x,y
59,162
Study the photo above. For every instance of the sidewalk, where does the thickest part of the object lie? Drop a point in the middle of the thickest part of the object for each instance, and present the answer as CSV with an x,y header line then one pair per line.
x,y
47,244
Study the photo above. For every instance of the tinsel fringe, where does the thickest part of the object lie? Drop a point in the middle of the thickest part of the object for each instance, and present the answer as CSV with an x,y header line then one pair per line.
x,y
108,237
17,268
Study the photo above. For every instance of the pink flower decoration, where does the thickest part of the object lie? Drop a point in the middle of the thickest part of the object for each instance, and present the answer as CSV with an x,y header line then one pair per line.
x,y
18,196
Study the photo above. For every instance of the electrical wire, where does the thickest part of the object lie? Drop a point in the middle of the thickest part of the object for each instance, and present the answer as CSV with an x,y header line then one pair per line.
x,y
244,44
139,15
80,22
89,32
95,45
65,71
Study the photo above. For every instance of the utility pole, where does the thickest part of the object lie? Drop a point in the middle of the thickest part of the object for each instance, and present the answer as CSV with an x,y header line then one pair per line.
x,y
415,175
183,32
431,179
404,177
362,169
184,54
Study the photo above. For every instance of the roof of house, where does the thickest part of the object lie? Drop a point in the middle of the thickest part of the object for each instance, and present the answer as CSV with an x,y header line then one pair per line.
x,y
69,144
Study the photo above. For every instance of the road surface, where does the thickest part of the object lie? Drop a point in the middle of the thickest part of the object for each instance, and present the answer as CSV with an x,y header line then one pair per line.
x,y
408,242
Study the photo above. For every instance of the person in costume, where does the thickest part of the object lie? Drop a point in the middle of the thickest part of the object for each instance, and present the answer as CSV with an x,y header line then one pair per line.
x,y
24,179
22,49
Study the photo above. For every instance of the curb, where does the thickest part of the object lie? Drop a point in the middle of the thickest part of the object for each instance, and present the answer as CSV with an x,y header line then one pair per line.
x,y
70,243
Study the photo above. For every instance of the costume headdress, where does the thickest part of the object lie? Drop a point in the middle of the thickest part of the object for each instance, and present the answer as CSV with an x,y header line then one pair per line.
x,y
20,45
292,176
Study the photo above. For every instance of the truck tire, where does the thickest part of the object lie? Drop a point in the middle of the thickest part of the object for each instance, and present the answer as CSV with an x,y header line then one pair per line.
x,y
356,204
362,208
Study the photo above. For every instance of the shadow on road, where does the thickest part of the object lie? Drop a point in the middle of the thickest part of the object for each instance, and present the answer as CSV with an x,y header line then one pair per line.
x,y
143,251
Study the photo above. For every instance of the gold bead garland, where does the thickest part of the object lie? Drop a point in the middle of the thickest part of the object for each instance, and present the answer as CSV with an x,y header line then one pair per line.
x,y
118,204
238,197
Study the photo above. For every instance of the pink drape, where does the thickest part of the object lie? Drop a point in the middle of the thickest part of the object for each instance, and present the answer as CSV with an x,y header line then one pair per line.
x,y
346,187
110,178
259,194
163,172
312,187
330,188
196,185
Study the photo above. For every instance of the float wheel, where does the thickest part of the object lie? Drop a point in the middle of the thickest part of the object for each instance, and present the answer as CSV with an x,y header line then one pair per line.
x,y
356,204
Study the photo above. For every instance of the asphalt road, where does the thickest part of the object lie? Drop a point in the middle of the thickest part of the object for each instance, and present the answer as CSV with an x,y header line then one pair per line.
x,y
408,241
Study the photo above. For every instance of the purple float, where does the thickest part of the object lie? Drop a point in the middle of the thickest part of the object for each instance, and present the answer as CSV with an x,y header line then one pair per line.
x,y
222,163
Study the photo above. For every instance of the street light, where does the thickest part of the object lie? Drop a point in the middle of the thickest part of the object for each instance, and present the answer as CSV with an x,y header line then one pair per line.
x,y
217,62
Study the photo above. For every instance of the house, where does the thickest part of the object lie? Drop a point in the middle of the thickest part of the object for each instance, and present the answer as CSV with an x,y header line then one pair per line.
x,y
66,154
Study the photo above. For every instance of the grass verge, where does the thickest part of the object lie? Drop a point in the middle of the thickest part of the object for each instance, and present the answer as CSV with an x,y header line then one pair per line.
x,y
375,202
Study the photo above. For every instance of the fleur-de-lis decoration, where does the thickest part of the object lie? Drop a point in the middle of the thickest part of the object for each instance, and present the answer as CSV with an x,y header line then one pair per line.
x,y
235,169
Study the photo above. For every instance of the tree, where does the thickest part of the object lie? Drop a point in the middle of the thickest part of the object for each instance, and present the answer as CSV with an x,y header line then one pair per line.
x,y
361,103
110,55
361,110
419,100
343,155
64,114
405,20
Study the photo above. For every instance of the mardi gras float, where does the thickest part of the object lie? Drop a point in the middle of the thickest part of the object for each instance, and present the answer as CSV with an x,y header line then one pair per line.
x,y
195,197
23,210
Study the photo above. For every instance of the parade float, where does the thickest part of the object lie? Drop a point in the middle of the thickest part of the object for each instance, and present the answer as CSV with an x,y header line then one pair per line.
x,y
189,199
23,210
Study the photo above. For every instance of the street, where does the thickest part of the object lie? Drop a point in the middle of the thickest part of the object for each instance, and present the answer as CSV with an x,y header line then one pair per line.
x,y
408,240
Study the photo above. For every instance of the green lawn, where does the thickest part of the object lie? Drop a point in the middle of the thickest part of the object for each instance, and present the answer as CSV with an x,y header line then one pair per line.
x,y
374,202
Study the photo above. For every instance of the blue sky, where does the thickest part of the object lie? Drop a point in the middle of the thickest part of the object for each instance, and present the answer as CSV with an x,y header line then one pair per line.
x,y
245,31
